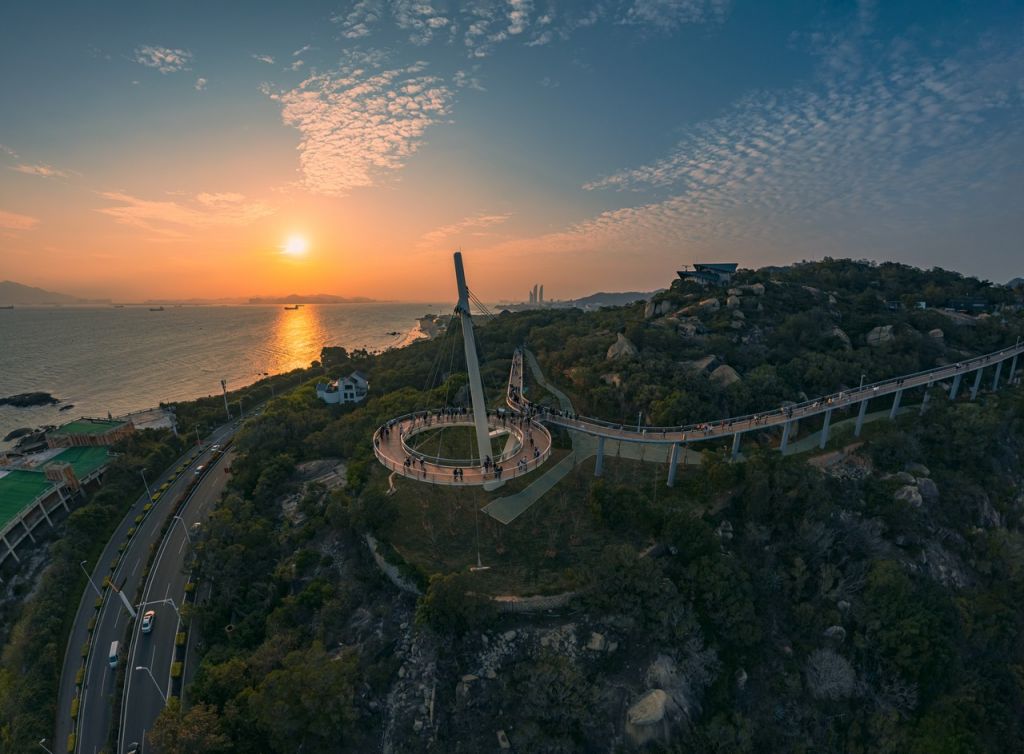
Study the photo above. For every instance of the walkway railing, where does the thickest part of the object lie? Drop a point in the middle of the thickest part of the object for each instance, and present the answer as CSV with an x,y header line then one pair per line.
x,y
734,425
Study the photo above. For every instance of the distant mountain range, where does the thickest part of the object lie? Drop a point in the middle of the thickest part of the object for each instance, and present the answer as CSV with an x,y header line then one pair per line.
x,y
613,299
16,294
318,298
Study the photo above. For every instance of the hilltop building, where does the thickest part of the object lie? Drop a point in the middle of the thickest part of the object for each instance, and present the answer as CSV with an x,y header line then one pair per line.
x,y
536,294
351,389
718,273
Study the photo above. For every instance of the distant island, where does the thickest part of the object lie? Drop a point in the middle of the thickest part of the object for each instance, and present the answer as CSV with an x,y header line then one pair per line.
x,y
16,294
318,298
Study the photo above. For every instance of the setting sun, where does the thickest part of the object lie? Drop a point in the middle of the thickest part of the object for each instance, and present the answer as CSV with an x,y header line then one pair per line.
x,y
295,246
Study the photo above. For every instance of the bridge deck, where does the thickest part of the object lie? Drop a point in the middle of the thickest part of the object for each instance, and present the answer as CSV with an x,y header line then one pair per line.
x,y
729,427
531,448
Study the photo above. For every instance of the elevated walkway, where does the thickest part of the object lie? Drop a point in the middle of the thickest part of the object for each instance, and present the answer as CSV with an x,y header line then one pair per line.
x,y
528,446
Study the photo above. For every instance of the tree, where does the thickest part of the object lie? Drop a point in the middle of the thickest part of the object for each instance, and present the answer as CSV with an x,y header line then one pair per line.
x,y
308,702
198,730
451,607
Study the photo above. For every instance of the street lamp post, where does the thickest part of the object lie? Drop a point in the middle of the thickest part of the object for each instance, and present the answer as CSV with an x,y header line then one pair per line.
x,y
41,746
158,689
98,592
241,411
148,491
862,376
185,528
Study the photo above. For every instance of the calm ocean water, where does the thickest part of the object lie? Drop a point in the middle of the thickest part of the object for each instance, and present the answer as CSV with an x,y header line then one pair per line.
x,y
122,360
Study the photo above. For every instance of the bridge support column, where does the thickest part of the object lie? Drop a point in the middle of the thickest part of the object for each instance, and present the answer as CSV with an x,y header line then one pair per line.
x,y
786,429
42,509
895,404
955,387
599,462
1013,369
673,462
927,396
995,380
824,430
736,445
860,417
27,530
11,550
977,383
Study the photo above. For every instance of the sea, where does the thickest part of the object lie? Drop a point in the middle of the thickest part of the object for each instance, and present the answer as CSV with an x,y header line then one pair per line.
x,y
107,360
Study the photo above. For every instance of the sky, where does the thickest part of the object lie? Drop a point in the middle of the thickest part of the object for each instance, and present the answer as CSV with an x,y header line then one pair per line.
x,y
262,148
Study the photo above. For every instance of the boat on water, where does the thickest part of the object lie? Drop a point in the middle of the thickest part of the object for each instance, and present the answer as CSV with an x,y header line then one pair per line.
x,y
156,308
9,306
119,306
291,308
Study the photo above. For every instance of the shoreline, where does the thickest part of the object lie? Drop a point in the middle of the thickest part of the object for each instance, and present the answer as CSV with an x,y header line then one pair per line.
x,y
414,334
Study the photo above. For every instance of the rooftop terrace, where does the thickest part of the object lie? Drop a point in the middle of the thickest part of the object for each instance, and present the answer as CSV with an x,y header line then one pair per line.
x,y
88,427
19,489
84,460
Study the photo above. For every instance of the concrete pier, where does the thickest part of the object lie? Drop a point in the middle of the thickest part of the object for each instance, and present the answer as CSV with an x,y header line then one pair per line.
x,y
824,430
995,379
860,417
736,444
895,404
786,428
977,383
599,458
955,387
927,397
673,462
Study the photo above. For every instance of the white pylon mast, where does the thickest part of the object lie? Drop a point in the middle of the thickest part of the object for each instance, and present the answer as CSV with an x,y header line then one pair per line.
x,y
476,390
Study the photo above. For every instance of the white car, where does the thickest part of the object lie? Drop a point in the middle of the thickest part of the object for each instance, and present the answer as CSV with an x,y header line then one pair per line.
x,y
147,621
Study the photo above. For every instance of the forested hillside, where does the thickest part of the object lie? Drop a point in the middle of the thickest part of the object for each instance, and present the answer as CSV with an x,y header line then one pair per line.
x,y
866,599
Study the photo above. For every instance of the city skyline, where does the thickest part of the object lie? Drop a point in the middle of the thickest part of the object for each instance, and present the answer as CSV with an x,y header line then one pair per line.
x,y
348,148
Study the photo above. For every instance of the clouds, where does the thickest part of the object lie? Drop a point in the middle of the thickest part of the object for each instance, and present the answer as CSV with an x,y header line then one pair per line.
x,y
473,226
671,14
360,121
268,59
164,59
41,170
171,218
885,148
479,26
14,221
200,84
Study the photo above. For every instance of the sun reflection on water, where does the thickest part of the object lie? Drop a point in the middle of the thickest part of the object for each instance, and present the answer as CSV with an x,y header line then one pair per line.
x,y
297,338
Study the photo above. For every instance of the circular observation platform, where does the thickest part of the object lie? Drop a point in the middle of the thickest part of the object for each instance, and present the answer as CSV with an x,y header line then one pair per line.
x,y
527,446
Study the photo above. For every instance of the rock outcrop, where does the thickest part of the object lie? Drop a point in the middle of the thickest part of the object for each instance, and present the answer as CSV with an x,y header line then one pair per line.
x,y
654,309
879,335
725,375
910,494
700,365
838,332
622,349
929,491
647,719
691,327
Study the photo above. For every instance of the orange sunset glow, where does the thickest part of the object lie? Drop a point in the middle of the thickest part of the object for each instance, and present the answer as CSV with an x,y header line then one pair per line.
x,y
348,150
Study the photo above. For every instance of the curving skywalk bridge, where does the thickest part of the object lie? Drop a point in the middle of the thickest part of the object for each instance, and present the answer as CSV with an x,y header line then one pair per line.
x,y
735,427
